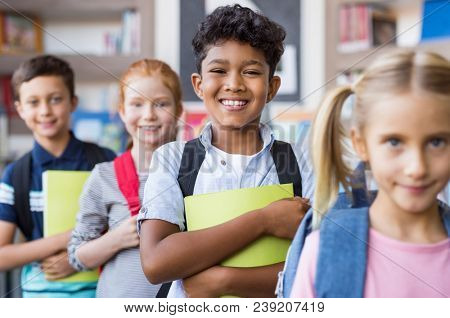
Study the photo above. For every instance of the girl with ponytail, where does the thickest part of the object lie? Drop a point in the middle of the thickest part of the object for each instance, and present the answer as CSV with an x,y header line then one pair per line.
x,y
399,245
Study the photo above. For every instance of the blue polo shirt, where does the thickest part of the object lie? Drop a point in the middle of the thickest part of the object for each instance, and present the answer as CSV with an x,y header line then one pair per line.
x,y
73,158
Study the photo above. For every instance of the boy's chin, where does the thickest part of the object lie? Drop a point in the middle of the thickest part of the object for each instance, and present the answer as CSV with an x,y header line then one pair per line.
x,y
236,124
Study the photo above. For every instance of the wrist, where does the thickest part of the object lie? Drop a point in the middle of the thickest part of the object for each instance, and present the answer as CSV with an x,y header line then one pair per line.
x,y
263,221
224,282
115,238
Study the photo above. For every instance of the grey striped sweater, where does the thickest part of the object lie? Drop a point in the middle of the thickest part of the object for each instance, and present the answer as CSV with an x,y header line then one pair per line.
x,y
102,206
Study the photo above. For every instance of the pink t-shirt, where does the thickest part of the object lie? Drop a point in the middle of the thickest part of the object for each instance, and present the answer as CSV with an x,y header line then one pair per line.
x,y
394,268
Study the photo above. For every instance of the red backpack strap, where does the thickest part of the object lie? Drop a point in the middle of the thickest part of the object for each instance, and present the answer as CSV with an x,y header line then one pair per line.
x,y
128,181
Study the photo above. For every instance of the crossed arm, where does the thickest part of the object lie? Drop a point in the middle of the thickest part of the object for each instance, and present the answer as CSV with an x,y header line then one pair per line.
x,y
168,254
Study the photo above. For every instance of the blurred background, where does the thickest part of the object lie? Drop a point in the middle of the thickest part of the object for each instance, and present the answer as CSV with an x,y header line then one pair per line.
x,y
329,42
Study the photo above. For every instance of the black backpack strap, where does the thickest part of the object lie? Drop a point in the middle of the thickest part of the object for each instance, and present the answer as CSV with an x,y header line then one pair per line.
x,y
287,167
191,161
94,154
164,290
21,183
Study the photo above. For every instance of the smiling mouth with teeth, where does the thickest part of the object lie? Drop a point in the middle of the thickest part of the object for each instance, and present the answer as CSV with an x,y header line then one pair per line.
x,y
148,128
233,104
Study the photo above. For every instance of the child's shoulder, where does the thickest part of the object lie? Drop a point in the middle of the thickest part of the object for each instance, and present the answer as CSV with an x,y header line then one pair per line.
x,y
109,154
8,171
172,151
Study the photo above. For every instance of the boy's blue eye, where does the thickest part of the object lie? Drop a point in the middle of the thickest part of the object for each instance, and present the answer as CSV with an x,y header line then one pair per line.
x,y
55,100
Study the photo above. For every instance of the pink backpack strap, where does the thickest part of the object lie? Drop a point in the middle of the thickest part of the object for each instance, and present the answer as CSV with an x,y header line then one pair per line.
x,y
128,181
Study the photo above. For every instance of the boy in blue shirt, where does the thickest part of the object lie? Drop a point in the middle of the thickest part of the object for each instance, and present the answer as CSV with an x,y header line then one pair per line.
x,y
45,98
236,51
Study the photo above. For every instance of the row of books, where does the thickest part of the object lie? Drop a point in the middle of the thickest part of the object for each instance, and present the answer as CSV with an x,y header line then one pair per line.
x,y
127,40
362,26
21,34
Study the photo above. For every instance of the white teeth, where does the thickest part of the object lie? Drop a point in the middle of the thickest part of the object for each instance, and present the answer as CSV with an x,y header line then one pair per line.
x,y
235,103
152,128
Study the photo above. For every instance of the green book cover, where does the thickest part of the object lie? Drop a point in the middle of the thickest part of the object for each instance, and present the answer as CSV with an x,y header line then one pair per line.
x,y
62,191
207,210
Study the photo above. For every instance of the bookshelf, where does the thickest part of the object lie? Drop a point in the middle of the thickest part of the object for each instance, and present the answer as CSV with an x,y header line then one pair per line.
x,y
99,39
89,66
406,13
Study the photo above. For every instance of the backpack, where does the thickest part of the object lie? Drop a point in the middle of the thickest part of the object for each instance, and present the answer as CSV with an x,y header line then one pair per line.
x,y
282,154
128,182
345,249
21,174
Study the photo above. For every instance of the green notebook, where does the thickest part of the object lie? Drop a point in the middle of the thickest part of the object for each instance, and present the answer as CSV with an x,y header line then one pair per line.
x,y
62,191
207,210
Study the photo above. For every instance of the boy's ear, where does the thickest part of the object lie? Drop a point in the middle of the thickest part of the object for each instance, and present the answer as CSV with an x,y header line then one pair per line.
x,y
74,104
19,108
274,85
359,144
196,80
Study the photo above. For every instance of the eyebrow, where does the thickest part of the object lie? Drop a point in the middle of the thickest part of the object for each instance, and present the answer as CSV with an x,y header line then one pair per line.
x,y
245,63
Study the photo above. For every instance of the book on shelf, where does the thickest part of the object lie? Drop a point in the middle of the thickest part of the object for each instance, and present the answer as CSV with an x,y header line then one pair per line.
x,y
103,128
127,40
436,20
6,96
362,26
193,121
19,35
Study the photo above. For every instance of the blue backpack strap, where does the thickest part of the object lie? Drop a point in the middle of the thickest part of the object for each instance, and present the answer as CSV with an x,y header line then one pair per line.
x,y
445,214
286,164
342,259
287,276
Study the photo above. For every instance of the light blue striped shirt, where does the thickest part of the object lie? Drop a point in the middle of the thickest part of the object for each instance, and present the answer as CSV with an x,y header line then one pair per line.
x,y
163,199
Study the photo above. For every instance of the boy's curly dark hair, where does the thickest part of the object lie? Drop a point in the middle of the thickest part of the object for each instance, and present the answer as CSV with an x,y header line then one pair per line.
x,y
243,25
44,65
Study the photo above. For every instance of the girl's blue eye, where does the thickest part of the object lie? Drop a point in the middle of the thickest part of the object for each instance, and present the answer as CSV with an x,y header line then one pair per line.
x,y
394,142
436,142
160,104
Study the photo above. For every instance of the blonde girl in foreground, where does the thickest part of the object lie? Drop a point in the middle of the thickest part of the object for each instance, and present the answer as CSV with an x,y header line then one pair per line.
x,y
399,246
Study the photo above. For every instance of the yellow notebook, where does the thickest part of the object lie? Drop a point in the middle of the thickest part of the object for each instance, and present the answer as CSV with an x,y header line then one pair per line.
x,y
207,210
62,190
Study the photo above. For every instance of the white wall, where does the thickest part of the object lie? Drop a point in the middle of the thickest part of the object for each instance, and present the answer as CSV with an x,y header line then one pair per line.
x,y
167,32
312,51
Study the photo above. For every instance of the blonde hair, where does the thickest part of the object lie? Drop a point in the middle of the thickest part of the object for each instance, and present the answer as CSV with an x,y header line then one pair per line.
x,y
151,67
393,73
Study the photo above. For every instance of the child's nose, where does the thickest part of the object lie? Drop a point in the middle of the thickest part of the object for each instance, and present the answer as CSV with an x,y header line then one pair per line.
x,y
150,112
44,108
234,83
416,166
